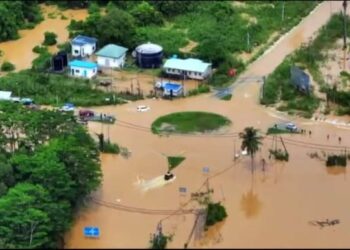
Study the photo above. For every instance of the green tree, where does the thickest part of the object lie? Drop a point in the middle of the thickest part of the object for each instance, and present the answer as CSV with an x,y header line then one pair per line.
x,y
251,142
50,38
145,14
7,66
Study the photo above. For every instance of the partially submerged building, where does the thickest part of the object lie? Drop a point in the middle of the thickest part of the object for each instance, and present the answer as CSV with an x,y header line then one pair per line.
x,y
83,46
83,69
187,68
111,56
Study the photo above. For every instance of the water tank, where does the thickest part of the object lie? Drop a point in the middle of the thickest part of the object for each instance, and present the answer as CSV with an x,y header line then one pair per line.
x,y
64,56
57,63
149,55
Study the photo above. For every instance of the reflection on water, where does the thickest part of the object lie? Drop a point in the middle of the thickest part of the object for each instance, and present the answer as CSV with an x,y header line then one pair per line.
x,y
212,235
250,204
336,170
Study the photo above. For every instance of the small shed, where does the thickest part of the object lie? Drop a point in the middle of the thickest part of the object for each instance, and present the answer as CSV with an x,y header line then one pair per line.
x,y
111,56
83,46
5,95
83,69
188,68
300,79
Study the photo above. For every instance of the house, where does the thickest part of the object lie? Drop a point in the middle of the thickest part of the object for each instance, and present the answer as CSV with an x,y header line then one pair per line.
x,y
82,69
83,46
188,68
111,56
300,79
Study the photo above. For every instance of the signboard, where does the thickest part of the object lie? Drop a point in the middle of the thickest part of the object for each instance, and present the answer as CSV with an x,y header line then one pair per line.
x,y
91,232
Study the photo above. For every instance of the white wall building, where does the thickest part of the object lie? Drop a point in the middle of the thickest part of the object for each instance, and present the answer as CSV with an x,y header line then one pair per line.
x,y
82,69
83,46
111,56
189,68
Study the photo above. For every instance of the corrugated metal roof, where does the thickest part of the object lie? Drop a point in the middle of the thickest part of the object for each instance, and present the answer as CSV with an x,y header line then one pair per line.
x,y
189,64
81,40
111,50
5,95
82,64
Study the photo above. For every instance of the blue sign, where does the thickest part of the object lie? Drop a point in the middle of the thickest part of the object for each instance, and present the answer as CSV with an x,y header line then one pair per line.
x,y
182,190
205,170
93,232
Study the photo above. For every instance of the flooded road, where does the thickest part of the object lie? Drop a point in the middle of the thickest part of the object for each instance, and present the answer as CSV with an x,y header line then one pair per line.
x,y
19,52
271,208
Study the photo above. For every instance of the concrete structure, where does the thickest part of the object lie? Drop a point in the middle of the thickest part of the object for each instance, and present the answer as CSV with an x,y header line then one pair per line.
x,y
83,46
111,56
188,68
82,69
148,55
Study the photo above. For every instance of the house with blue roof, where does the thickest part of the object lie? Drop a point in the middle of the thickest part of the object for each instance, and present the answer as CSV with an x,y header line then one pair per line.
x,y
83,46
83,69
187,68
111,56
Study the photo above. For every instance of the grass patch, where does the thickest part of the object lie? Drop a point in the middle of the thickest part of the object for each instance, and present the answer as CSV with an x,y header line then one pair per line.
x,y
226,97
189,122
203,88
174,161
111,148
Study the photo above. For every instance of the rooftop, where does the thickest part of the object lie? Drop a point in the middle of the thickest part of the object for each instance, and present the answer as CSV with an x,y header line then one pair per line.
x,y
82,64
111,50
189,64
81,40
5,95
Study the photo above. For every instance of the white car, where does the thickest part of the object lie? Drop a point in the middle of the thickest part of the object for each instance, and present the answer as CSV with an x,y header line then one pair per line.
x,y
143,108
291,126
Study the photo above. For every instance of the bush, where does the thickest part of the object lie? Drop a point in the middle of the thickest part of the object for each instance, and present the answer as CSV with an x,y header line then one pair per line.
x,y
336,160
111,148
203,88
226,97
42,62
7,66
279,155
215,213
39,49
50,38
160,241
66,47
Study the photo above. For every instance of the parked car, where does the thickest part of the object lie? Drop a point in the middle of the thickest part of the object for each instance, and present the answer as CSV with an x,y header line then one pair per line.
x,y
143,108
291,126
67,107
86,113
27,101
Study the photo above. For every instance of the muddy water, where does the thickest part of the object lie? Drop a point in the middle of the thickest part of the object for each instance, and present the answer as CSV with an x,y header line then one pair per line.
x,y
19,52
271,208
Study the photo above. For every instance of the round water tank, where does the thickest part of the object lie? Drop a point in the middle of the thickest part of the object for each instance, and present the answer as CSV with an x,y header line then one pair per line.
x,y
149,55
57,63
64,56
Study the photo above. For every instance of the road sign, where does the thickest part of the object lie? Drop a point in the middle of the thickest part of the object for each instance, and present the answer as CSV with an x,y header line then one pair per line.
x,y
182,190
205,170
91,232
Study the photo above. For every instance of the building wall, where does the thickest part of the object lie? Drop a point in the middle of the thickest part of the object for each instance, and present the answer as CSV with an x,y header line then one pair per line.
x,y
84,50
79,72
111,62
191,74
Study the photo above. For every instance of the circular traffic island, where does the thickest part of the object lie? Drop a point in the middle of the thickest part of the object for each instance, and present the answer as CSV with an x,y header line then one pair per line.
x,y
189,122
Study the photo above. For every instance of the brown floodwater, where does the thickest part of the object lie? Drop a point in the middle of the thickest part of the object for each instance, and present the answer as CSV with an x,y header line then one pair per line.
x,y
270,208
19,52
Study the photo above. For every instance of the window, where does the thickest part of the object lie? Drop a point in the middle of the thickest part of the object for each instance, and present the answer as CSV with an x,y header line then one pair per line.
x,y
93,47
76,51
77,71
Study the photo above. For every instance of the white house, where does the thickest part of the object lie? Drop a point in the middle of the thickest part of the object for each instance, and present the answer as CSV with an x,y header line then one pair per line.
x,y
83,46
111,56
83,69
188,68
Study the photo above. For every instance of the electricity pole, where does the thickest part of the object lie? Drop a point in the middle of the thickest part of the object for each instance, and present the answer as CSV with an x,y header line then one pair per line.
x,y
345,31
283,11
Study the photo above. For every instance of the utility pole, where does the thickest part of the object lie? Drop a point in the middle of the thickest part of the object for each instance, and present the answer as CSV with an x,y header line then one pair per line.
x,y
283,10
248,41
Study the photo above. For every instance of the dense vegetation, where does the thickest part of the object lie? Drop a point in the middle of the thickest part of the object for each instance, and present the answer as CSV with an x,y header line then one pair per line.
x,y
310,56
49,164
15,15
189,122
7,66
51,89
215,213
49,38
336,160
